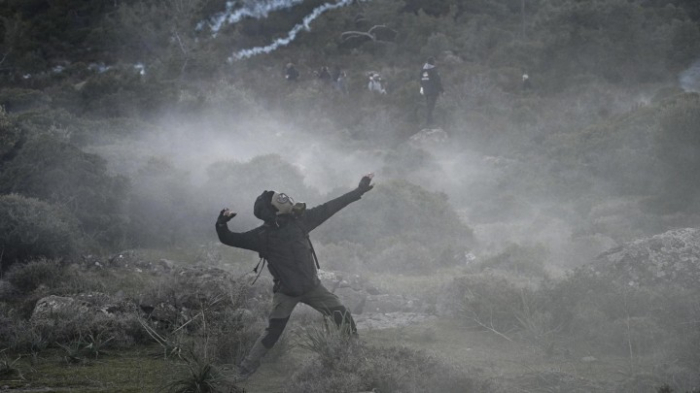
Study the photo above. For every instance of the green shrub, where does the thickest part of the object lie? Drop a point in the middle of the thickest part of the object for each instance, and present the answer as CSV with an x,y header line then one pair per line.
x,y
386,369
18,100
27,277
200,377
11,137
487,302
30,228
81,327
523,260
582,290
62,174
122,92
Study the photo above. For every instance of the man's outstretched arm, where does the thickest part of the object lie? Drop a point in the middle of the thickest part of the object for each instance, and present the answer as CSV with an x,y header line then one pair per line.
x,y
249,240
319,214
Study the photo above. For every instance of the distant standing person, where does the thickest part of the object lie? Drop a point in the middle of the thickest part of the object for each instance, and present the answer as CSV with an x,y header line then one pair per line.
x,y
376,83
526,82
324,75
431,87
340,79
290,73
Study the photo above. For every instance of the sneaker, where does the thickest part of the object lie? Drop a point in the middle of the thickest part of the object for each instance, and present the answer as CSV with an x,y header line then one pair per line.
x,y
244,373
238,375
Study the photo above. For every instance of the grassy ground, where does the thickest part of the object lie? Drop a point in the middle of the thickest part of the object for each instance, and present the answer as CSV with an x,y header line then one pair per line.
x,y
514,365
124,372
508,363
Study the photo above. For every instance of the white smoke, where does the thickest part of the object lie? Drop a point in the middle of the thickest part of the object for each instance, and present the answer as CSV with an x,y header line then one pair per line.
x,y
246,53
253,9
690,78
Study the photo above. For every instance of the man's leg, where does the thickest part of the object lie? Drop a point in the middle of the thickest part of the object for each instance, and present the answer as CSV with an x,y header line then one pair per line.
x,y
431,100
328,303
282,307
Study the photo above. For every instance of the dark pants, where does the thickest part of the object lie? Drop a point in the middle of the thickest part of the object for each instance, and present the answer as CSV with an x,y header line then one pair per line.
x,y
319,298
430,100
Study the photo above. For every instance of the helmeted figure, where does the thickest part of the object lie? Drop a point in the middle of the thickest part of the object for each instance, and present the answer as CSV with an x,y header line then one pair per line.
x,y
376,83
431,87
290,72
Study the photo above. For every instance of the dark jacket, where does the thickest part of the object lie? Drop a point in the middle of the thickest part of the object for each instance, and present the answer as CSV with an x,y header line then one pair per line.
x,y
291,73
430,80
286,246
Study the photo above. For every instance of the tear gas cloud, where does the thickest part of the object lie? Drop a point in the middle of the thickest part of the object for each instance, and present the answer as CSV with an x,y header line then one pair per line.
x,y
251,9
261,9
328,165
291,36
690,79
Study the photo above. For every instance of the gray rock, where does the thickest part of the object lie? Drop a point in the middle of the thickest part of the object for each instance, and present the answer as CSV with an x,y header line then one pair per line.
x,y
429,137
83,304
671,257
53,305
167,264
135,261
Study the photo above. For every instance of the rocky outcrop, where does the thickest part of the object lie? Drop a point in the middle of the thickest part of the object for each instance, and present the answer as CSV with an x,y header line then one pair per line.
x,y
429,137
83,306
129,260
671,257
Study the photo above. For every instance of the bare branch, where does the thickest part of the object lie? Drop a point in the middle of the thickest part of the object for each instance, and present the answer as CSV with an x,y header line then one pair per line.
x,y
348,35
370,34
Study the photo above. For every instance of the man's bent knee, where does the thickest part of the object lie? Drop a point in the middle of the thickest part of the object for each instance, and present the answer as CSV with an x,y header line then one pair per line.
x,y
343,318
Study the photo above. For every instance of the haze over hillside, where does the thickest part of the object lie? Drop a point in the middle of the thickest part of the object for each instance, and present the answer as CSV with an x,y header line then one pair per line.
x,y
128,125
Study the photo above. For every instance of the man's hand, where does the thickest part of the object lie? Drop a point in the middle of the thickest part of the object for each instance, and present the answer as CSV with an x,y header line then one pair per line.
x,y
365,183
225,216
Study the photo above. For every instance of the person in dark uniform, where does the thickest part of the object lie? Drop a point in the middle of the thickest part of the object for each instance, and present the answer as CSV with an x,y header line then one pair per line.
x,y
290,73
431,87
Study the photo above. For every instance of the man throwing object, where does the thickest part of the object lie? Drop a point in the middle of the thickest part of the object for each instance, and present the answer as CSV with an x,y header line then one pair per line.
x,y
283,240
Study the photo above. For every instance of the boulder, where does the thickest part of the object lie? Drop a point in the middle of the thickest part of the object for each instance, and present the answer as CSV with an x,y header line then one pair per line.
x,y
58,305
429,137
80,305
133,260
672,257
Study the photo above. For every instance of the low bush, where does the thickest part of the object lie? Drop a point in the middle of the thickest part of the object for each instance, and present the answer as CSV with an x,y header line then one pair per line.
x,y
76,326
62,174
356,367
17,100
27,277
487,302
11,137
30,228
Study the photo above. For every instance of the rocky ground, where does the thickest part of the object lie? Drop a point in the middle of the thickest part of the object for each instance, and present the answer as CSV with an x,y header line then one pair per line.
x,y
383,319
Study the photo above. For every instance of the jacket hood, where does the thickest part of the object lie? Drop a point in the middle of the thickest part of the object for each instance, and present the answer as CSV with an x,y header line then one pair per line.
x,y
263,208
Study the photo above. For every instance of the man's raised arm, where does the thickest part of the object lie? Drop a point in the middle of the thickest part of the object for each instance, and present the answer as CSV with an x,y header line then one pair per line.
x,y
249,240
319,214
